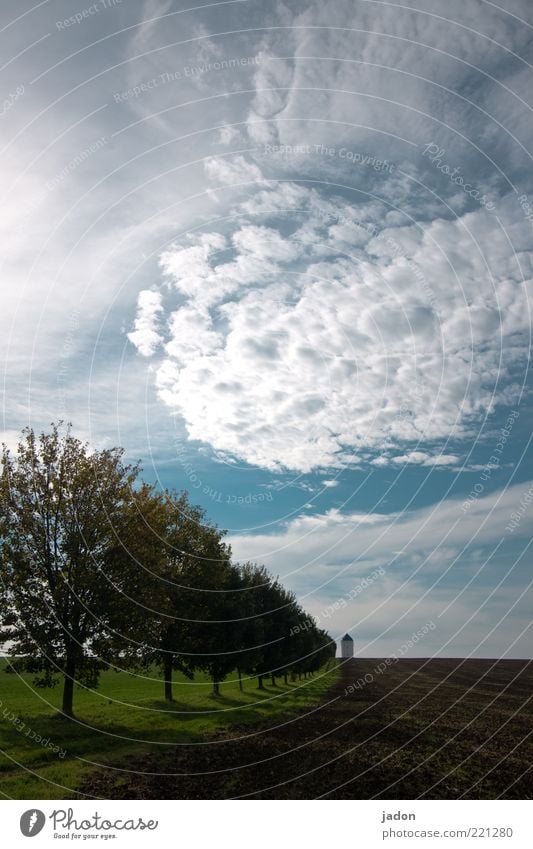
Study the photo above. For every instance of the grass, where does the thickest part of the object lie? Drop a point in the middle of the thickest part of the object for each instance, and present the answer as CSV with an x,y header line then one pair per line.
x,y
44,756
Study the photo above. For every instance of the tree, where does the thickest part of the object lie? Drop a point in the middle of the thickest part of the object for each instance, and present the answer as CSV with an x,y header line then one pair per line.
x,y
192,586
249,627
139,617
314,648
60,505
219,629
275,611
98,568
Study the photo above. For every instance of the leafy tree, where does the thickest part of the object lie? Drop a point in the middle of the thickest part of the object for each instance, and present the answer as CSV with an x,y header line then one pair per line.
x,y
274,608
98,568
191,588
318,648
250,625
60,504
137,557
219,630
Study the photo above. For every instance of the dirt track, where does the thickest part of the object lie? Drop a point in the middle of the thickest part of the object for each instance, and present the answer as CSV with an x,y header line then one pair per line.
x,y
439,729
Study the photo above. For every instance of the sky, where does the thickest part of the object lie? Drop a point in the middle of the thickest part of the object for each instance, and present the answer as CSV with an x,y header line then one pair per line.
x,y
281,252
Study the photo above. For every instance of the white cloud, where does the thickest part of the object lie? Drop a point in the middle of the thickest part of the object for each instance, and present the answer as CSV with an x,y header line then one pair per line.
x,y
145,336
266,244
419,458
310,548
437,564
11,439
228,134
232,171
288,349
380,76
82,245
272,83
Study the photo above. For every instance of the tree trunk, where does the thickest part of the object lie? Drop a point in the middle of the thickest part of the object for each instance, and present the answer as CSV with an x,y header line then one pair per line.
x,y
273,679
216,687
167,670
260,682
241,688
285,678
68,688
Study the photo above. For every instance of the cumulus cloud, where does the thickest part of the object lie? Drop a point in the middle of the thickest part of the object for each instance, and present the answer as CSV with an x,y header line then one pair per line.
x,y
418,458
145,336
291,344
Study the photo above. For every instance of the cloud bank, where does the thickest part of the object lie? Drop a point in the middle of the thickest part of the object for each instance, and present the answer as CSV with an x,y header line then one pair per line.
x,y
310,333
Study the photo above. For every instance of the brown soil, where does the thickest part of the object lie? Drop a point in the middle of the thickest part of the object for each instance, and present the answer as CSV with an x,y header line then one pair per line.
x,y
434,729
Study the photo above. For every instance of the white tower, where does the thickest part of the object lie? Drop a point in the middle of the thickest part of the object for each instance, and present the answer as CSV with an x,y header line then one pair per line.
x,y
346,647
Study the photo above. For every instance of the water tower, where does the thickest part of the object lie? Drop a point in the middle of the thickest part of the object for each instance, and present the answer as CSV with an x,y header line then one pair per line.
x,y
346,647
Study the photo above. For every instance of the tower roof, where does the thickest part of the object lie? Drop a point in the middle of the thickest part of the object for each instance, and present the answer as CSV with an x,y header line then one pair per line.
x,y
347,638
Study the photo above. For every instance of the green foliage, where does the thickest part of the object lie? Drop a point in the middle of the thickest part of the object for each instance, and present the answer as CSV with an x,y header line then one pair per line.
x,y
60,505
98,568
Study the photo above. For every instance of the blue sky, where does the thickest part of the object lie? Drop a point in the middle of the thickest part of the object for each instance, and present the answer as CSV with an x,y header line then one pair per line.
x,y
282,253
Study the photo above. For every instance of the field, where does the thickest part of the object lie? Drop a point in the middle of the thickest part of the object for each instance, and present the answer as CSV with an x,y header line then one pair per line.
x,y
125,718
436,729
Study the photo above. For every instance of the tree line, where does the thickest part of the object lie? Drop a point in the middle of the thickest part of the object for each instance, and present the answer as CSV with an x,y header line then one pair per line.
x,y
99,569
